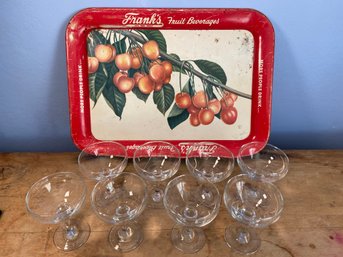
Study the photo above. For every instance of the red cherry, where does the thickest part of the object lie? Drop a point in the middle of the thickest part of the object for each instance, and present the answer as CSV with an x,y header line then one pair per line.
x,y
137,76
192,109
214,105
125,84
200,99
157,73
183,100
233,96
117,76
226,102
194,120
206,116
229,115
93,64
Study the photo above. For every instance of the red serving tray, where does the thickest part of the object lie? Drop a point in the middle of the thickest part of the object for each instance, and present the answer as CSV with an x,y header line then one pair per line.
x,y
255,34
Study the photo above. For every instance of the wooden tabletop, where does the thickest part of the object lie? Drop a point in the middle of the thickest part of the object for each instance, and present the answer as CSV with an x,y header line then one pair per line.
x,y
311,223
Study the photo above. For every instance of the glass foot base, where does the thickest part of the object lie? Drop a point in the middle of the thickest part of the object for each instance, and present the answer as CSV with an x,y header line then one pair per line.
x,y
188,240
242,240
72,238
126,238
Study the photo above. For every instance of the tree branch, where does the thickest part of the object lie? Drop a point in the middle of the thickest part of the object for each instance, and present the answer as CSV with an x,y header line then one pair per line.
x,y
177,62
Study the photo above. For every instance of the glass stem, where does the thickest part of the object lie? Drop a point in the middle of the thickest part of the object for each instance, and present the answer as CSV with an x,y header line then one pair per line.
x,y
157,195
188,234
71,229
243,236
157,191
125,232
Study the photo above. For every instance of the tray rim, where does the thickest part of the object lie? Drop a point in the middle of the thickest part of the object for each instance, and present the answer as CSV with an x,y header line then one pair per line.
x,y
234,18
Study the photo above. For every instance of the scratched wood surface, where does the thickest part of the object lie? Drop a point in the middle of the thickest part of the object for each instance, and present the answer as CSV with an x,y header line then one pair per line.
x,y
311,224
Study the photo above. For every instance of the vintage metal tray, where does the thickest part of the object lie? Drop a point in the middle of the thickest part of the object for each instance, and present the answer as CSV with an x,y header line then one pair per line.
x,y
179,75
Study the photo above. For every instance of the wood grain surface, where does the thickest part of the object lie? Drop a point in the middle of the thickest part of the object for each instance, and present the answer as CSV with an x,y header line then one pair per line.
x,y
311,223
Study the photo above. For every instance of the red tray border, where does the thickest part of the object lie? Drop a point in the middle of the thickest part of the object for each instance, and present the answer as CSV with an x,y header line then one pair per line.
x,y
247,19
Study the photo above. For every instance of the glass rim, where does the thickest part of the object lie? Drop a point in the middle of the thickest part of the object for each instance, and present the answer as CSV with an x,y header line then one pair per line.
x,y
258,175
246,177
141,170
157,142
264,146
207,143
83,151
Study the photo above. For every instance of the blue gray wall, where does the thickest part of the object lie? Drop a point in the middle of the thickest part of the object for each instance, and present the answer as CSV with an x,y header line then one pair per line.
x,y
308,89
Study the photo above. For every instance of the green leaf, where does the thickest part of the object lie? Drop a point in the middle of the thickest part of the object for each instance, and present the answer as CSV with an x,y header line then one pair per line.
x,y
115,99
164,98
108,36
175,67
90,48
177,115
111,69
139,94
187,88
175,56
157,36
97,82
91,83
209,92
191,87
120,46
145,66
211,68
131,72
98,37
